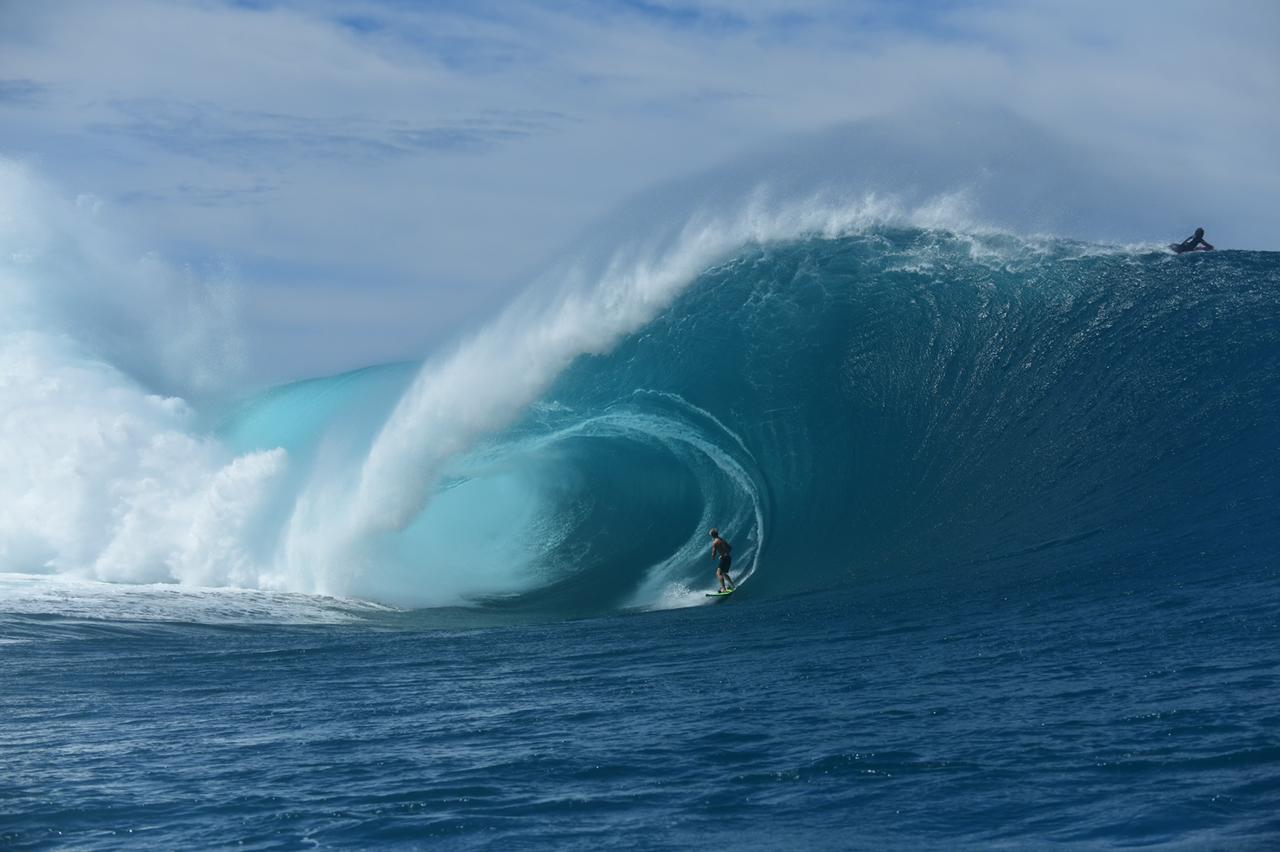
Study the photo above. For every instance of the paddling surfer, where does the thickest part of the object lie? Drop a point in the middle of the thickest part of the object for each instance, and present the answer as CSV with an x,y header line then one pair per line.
x,y
1195,242
721,549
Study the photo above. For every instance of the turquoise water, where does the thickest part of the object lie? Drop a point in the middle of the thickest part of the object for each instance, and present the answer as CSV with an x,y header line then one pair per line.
x,y
1003,514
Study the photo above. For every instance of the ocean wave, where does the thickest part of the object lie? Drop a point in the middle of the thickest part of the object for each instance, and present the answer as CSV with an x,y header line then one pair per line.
x,y
849,391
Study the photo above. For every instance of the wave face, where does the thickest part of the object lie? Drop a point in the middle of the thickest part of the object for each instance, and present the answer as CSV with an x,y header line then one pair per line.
x,y
896,403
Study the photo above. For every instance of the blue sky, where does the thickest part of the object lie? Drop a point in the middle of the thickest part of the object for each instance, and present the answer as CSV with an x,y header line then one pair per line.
x,y
377,176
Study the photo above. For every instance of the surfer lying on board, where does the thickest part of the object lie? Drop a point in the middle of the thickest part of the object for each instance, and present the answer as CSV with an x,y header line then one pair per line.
x,y
1195,242
721,548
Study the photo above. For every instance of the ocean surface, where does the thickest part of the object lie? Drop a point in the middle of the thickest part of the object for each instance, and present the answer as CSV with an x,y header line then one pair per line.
x,y
1004,516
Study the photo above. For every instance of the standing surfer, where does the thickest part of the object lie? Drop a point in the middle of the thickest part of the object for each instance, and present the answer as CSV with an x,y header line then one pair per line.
x,y
721,549
1195,242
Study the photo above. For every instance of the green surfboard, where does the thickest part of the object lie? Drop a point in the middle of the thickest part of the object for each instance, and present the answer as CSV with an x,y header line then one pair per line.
x,y
721,594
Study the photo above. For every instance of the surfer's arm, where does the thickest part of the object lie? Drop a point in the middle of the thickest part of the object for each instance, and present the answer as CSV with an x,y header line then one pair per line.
x,y
1206,245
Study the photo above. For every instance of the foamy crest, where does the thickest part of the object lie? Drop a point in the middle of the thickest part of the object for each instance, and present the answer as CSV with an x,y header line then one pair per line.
x,y
102,478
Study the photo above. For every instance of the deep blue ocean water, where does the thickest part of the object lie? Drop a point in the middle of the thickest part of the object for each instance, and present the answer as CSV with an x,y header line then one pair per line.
x,y
1004,515
1129,714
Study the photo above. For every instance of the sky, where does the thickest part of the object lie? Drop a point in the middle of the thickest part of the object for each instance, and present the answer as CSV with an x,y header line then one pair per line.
x,y
375,178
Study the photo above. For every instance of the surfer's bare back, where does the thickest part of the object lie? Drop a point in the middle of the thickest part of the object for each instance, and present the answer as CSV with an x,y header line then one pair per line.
x,y
1195,242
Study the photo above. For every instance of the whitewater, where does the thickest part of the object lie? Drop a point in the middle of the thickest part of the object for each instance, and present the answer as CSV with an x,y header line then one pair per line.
x,y
1003,509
